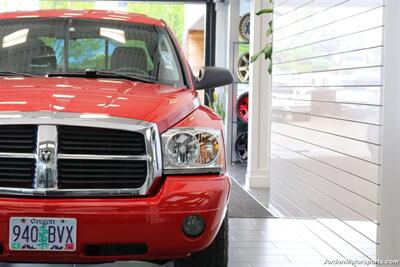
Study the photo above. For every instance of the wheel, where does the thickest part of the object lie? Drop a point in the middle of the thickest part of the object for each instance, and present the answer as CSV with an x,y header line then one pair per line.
x,y
215,255
243,107
241,147
244,27
243,68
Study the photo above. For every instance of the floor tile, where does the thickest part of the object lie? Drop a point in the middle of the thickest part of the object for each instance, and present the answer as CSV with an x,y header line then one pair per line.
x,y
259,259
249,244
290,245
270,243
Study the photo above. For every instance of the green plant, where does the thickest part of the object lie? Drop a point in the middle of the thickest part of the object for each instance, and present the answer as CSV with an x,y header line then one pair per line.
x,y
217,105
267,50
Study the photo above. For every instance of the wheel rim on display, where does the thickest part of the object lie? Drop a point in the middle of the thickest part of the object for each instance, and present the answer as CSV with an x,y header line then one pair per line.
x,y
241,147
243,67
243,107
244,27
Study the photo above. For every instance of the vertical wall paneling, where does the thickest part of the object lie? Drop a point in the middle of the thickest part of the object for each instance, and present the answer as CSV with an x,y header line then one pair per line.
x,y
327,110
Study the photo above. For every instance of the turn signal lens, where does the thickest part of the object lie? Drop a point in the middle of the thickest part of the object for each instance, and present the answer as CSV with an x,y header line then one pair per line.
x,y
209,147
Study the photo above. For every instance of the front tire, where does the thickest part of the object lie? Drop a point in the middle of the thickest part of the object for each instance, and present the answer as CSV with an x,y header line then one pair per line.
x,y
215,255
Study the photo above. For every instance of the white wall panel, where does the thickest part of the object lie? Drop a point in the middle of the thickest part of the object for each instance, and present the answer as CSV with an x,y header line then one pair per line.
x,y
332,199
357,167
288,7
349,77
340,178
334,11
324,140
363,132
344,43
363,21
356,94
354,59
365,114
300,10
326,113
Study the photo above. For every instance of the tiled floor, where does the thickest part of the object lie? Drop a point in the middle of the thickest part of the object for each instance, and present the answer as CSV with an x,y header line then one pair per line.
x,y
276,243
261,243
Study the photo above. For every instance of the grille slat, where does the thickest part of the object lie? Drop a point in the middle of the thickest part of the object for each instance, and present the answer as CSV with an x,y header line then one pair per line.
x,y
96,182
130,171
95,165
99,141
17,173
101,174
102,177
99,137
14,173
95,143
14,148
20,136
4,168
17,138
17,180
95,150
2,141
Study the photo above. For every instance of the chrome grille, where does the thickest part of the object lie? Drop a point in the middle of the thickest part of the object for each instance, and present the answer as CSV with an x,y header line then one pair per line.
x,y
72,154
99,141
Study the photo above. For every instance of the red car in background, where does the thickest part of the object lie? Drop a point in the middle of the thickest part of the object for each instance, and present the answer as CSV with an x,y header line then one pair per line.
x,y
105,153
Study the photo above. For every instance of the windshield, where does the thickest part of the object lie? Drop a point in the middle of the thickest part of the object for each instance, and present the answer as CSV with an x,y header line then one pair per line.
x,y
42,45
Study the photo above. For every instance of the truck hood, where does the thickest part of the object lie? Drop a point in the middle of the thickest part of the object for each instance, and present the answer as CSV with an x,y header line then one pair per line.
x,y
162,104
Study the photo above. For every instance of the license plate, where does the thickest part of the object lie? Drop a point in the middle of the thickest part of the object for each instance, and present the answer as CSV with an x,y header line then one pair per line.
x,y
42,234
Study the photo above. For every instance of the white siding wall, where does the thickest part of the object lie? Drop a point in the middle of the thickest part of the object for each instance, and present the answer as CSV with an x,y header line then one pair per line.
x,y
326,106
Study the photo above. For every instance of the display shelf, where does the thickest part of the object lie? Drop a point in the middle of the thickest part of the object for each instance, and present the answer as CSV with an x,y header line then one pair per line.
x,y
238,87
241,61
239,48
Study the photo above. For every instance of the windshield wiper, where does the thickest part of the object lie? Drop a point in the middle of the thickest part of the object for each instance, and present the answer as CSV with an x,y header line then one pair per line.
x,y
102,74
11,73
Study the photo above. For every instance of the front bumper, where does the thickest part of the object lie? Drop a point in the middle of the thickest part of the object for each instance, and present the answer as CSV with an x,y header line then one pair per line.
x,y
154,221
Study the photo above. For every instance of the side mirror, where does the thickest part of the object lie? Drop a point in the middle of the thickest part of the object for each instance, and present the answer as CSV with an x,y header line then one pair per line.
x,y
211,77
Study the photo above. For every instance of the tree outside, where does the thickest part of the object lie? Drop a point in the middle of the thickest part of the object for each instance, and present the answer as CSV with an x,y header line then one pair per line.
x,y
67,4
173,14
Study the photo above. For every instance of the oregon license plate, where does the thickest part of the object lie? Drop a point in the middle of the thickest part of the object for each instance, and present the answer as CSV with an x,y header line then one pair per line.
x,y
42,234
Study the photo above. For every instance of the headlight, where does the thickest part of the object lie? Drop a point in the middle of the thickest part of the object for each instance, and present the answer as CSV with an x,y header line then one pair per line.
x,y
193,150
182,149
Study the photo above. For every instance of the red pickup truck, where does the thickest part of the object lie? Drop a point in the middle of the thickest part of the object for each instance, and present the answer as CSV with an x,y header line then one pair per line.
x,y
105,152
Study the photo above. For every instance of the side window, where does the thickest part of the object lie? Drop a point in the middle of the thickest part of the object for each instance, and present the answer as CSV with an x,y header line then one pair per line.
x,y
168,70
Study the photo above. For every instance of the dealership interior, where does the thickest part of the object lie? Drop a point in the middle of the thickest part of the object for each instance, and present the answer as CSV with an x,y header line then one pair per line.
x,y
311,125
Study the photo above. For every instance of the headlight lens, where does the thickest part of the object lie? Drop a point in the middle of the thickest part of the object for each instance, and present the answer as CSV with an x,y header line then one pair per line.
x,y
193,150
182,149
